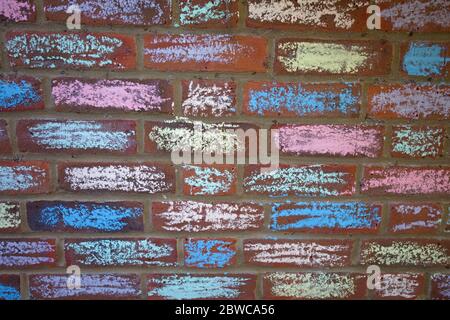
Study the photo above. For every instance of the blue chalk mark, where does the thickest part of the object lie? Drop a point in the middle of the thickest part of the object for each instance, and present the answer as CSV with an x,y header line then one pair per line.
x,y
194,14
79,135
185,287
210,180
19,177
425,59
295,98
13,94
310,215
208,253
101,217
9,293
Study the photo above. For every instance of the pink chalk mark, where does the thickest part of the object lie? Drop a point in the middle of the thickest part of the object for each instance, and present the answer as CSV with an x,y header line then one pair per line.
x,y
118,94
331,140
401,180
16,10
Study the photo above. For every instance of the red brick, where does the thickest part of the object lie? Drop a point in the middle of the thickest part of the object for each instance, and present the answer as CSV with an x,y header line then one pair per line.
x,y
201,286
320,285
93,286
27,253
117,177
406,180
10,219
352,217
294,99
115,12
75,50
415,16
24,177
183,134
27,94
326,57
5,145
440,286
209,253
400,286
409,101
121,95
415,218
10,284
405,252
425,59
206,52
121,252
335,16
209,13
417,142
208,98
330,140
300,180
77,136
218,180
297,253
85,217
191,216
18,11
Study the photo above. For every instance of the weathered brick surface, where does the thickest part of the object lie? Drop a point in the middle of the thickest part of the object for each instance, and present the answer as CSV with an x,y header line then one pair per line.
x,y
77,136
192,216
320,285
20,94
207,98
204,180
315,180
192,52
27,253
409,101
24,177
417,142
120,252
115,12
52,50
17,11
60,216
5,145
10,219
331,140
425,59
208,13
400,286
91,95
312,57
115,177
112,136
201,286
415,217
406,180
296,253
9,287
302,99
94,286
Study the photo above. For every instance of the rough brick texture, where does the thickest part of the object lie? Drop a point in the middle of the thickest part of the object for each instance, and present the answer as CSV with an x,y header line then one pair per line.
x,y
111,142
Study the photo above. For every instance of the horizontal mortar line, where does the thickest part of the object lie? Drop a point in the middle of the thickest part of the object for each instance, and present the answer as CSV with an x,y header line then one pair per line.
x,y
258,235
290,31
152,74
105,195
250,269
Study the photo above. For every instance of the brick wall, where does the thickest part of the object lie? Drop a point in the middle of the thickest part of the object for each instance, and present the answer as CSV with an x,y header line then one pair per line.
x,y
88,119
